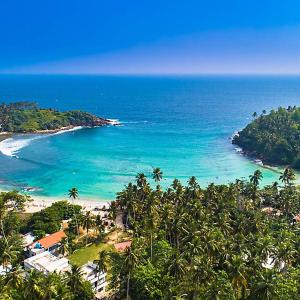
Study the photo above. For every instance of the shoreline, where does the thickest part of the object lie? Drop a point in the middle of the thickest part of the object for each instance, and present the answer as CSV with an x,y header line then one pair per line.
x,y
40,202
6,135
257,160
248,155
278,169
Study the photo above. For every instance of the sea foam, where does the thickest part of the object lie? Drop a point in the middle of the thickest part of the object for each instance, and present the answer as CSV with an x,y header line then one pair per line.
x,y
12,146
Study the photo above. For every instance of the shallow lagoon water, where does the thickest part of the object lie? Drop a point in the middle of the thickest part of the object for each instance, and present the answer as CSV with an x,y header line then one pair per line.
x,y
181,124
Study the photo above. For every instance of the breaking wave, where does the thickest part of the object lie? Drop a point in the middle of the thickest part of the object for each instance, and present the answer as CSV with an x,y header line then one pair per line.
x,y
12,146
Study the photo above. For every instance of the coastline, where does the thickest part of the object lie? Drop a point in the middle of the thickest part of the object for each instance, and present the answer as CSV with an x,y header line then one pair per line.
x,y
257,161
40,202
254,159
278,169
6,135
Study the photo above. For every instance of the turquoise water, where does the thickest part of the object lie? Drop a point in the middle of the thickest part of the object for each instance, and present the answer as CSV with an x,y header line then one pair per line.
x,y
181,124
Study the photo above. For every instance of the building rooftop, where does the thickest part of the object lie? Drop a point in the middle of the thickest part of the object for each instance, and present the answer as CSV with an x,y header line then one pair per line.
x,y
50,240
47,262
120,247
28,239
88,268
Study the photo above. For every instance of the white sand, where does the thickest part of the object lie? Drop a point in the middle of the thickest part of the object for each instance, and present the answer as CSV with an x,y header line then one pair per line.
x,y
41,202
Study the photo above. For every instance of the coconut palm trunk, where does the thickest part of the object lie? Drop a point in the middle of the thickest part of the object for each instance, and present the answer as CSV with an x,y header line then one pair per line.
x,y
128,285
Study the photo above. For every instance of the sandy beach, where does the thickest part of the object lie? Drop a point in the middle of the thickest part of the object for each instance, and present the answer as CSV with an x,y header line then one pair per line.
x,y
97,207
4,136
40,202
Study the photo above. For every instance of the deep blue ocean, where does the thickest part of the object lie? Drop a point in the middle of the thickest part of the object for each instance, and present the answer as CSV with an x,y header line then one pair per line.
x,y
181,124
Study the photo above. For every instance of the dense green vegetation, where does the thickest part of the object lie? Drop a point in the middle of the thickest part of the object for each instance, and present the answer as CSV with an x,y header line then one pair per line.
x,y
49,219
35,285
24,117
234,241
218,242
273,137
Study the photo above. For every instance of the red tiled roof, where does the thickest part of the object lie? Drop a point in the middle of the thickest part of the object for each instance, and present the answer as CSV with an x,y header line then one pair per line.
x,y
51,239
120,247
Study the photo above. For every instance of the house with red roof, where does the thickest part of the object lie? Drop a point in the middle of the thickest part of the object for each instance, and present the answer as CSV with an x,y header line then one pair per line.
x,y
49,243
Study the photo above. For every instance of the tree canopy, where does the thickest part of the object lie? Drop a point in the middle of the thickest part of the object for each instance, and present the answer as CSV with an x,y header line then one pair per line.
x,y
49,219
273,137
234,241
26,117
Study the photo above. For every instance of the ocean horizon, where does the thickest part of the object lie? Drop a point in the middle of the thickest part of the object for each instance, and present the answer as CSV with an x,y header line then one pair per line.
x,y
182,124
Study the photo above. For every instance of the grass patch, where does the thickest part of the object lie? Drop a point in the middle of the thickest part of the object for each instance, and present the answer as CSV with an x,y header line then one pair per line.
x,y
90,253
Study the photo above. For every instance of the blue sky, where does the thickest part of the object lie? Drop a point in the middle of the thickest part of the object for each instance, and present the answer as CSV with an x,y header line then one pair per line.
x,y
150,37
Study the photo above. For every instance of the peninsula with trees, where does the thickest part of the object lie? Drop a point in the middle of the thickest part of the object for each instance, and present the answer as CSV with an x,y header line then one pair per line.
x,y
27,117
274,138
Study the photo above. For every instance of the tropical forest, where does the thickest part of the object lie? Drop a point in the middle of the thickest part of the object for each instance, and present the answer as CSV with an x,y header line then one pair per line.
x,y
233,241
274,138
26,117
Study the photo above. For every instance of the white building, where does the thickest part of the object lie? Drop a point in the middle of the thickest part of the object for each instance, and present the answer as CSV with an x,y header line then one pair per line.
x,y
28,239
47,263
97,279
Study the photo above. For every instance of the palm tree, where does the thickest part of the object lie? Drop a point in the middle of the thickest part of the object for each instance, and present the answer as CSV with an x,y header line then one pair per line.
x,y
10,201
64,247
287,176
130,262
256,177
264,287
14,278
34,288
152,218
73,193
75,280
99,225
9,253
237,271
177,265
113,210
157,174
88,222
51,290
141,180
102,261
